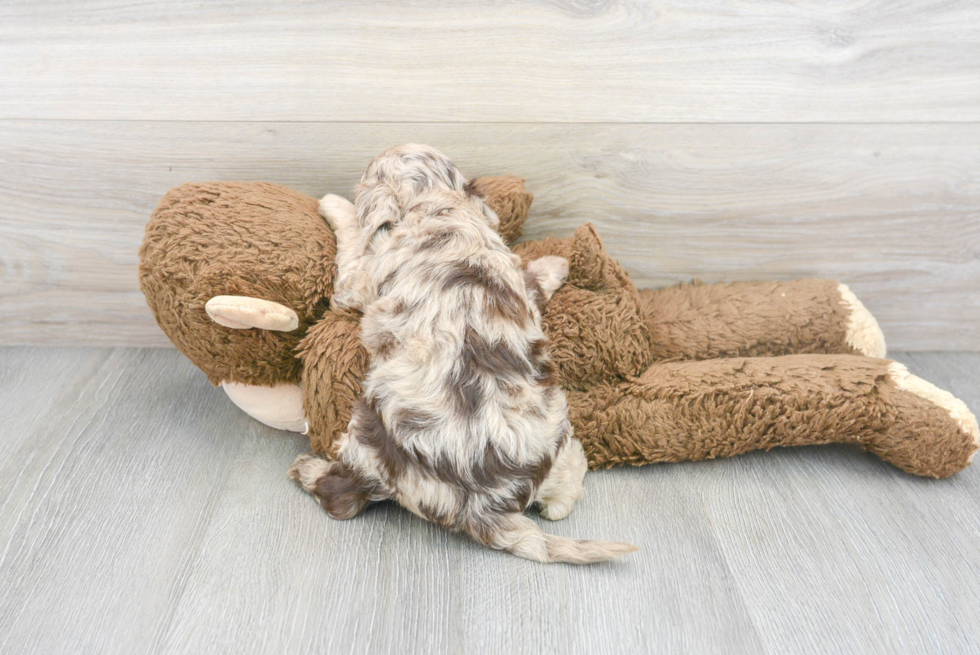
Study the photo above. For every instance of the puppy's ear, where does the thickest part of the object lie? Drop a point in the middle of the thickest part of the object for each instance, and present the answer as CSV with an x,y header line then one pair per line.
x,y
377,205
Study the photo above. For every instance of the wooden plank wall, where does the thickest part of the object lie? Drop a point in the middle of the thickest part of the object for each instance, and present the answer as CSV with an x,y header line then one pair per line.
x,y
709,139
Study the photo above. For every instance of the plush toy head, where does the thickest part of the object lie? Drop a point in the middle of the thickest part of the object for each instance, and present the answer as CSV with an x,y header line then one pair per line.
x,y
212,239
257,240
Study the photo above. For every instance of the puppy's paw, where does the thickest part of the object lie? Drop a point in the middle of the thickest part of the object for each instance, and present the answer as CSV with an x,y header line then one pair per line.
x,y
556,510
308,469
340,490
339,213
563,485
551,272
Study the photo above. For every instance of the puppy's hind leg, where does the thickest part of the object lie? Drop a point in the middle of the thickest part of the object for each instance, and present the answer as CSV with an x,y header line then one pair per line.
x,y
563,485
340,490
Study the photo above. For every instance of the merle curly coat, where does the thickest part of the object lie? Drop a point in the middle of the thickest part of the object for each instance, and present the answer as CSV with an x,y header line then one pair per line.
x,y
460,421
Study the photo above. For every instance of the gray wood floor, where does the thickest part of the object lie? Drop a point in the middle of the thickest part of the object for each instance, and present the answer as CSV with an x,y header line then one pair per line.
x,y
141,512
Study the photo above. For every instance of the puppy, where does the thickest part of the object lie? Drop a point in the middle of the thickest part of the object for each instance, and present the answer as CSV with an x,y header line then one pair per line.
x,y
460,421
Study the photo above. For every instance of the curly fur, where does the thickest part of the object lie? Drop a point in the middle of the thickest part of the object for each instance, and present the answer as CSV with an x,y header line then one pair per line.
x,y
461,421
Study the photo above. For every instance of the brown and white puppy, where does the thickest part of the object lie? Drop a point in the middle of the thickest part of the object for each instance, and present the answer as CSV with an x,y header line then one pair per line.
x,y
460,421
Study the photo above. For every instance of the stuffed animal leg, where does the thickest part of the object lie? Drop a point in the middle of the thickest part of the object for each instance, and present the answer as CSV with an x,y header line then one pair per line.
x,y
680,411
636,408
751,319
738,319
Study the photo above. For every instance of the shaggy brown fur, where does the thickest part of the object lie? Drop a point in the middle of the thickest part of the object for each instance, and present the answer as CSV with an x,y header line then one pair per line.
x,y
745,319
595,322
212,239
335,362
682,411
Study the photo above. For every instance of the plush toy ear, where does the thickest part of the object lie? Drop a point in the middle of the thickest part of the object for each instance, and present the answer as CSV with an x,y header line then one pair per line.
x,y
244,312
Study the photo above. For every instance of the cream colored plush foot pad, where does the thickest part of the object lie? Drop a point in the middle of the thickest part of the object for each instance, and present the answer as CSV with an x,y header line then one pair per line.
x,y
863,332
279,407
928,391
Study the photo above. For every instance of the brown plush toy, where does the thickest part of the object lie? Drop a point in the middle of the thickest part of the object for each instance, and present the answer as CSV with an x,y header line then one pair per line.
x,y
239,276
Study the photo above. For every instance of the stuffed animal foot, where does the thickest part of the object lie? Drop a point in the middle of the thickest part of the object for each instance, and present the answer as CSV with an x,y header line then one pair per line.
x,y
681,411
752,319
279,407
935,433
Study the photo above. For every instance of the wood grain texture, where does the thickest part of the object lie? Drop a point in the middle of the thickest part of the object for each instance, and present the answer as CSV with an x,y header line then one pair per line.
x,y
142,512
105,496
544,60
893,210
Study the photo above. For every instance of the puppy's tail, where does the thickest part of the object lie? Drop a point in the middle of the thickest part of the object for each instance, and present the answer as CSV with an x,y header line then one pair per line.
x,y
521,536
